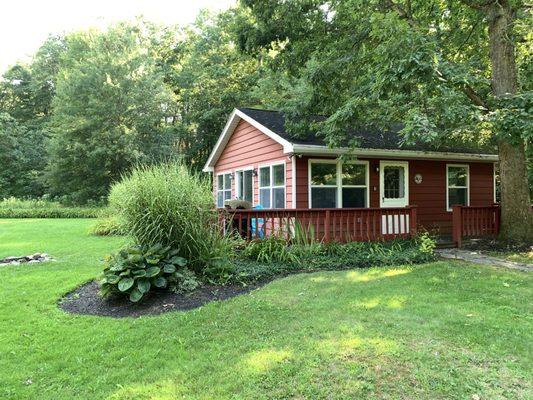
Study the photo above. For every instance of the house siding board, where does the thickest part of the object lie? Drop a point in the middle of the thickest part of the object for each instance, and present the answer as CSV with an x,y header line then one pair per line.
x,y
429,196
249,147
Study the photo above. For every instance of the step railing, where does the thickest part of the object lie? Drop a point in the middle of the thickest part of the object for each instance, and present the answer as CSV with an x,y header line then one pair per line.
x,y
325,225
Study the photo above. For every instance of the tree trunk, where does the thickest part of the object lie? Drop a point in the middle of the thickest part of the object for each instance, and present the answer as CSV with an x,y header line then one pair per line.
x,y
517,217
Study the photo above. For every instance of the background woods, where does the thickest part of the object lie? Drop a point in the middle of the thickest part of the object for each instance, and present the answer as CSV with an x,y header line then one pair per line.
x,y
90,105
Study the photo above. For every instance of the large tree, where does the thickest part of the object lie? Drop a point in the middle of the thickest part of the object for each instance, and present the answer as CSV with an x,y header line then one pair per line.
x,y
451,71
108,111
26,93
209,77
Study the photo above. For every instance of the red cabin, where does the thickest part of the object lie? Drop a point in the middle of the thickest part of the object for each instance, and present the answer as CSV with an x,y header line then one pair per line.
x,y
255,159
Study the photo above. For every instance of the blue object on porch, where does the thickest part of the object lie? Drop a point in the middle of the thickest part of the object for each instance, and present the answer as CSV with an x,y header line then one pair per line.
x,y
258,224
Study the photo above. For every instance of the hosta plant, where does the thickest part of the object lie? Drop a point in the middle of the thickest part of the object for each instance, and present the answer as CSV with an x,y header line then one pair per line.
x,y
136,270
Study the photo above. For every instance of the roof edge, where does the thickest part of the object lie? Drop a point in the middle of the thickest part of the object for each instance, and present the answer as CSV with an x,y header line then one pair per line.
x,y
235,117
419,154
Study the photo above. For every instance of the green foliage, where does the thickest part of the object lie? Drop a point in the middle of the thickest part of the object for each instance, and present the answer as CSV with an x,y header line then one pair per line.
x,y
270,250
107,226
42,208
109,107
273,256
22,159
209,77
169,205
136,270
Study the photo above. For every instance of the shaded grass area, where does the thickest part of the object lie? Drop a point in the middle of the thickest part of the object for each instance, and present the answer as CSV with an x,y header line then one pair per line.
x,y
525,257
440,330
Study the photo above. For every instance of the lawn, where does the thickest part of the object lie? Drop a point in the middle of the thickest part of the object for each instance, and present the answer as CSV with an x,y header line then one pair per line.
x,y
442,330
525,257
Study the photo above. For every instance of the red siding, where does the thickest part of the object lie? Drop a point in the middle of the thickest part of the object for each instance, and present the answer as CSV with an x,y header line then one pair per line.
x,y
429,196
249,147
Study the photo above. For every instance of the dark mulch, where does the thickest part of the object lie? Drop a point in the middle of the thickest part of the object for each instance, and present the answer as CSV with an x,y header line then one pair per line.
x,y
87,300
489,244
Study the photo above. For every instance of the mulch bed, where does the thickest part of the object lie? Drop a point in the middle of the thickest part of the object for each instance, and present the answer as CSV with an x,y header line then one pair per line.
x,y
87,300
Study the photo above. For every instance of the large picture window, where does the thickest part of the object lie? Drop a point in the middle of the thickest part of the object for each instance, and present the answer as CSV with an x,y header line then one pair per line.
x,y
272,186
244,185
457,181
223,188
334,184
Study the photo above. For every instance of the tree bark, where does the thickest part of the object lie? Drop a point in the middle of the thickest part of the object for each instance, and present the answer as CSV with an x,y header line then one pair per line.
x,y
517,217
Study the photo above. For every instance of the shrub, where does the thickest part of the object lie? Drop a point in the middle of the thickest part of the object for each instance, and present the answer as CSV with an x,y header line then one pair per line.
x,y
136,270
169,205
42,208
272,256
270,249
107,226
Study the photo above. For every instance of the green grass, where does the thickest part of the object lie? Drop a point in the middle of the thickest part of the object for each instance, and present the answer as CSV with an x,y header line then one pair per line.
x,y
444,330
19,208
521,257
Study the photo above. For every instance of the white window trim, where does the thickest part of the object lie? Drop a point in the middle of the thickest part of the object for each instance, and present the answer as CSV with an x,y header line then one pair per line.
x,y
467,187
237,180
338,185
272,187
229,172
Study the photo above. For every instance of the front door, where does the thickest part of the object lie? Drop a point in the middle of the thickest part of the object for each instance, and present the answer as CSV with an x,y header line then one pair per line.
x,y
394,183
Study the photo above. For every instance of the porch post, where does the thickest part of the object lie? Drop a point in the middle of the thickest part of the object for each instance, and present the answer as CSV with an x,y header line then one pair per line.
x,y
497,211
327,227
413,222
457,225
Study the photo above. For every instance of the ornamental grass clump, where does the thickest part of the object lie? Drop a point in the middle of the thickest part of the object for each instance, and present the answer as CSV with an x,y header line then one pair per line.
x,y
169,205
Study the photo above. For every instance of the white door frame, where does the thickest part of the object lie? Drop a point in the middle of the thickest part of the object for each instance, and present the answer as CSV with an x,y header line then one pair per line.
x,y
384,203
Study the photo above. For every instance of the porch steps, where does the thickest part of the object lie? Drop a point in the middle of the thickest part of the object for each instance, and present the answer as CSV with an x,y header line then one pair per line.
x,y
445,242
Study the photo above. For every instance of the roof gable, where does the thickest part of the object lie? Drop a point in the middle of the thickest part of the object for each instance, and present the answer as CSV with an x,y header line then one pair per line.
x,y
236,116
372,142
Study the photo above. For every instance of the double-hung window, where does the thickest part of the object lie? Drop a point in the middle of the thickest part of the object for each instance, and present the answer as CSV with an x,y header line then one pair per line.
x,y
272,186
334,184
457,185
223,188
244,185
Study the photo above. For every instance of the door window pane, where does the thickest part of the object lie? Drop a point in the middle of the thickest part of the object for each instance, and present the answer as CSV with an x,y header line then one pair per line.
x,y
279,175
393,182
323,174
323,197
353,197
457,196
278,195
354,174
264,197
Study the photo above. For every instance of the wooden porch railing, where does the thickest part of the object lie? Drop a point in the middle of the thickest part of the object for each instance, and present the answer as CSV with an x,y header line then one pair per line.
x,y
475,222
336,224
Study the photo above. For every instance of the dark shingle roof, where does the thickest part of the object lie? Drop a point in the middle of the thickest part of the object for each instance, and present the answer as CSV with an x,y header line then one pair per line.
x,y
368,139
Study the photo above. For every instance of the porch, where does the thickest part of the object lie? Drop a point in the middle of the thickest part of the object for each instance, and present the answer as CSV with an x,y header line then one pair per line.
x,y
355,224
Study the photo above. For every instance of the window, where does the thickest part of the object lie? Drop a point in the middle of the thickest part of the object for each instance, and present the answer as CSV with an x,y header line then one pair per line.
x,y
457,179
244,185
334,184
223,189
272,186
